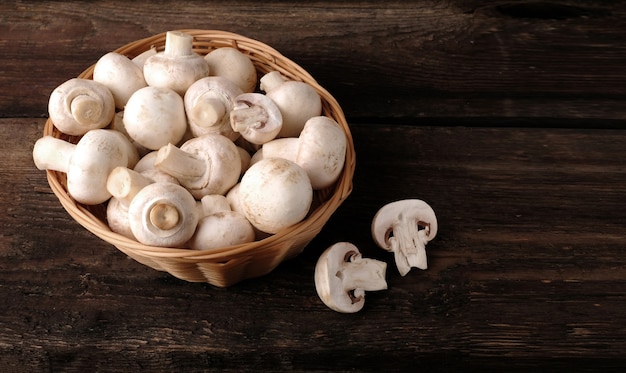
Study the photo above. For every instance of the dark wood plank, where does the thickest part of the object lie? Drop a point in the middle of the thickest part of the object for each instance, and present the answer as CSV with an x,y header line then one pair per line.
x,y
527,271
398,60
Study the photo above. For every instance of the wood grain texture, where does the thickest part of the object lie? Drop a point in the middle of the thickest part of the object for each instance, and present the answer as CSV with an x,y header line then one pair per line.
x,y
507,117
394,60
527,270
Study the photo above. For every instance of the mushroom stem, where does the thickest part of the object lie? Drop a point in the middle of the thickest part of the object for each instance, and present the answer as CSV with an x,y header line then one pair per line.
x,y
178,44
252,116
360,274
86,109
53,154
164,216
409,245
184,166
124,183
208,110
271,80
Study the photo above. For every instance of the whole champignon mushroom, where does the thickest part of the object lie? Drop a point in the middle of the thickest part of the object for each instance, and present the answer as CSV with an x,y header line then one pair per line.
x,y
234,65
120,75
123,184
178,66
404,227
342,276
256,117
208,103
297,101
274,194
322,151
209,164
221,229
79,105
87,163
163,214
154,117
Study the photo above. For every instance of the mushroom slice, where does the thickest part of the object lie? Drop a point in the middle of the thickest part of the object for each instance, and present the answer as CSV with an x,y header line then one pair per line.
x,y
342,276
405,227
256,117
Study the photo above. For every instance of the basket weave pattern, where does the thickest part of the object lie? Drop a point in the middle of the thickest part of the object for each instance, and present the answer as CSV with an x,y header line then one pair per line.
x,y
229,265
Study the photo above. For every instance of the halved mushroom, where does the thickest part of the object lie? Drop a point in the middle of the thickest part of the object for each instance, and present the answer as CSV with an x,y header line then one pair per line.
x,y
256,117
342,276
404,227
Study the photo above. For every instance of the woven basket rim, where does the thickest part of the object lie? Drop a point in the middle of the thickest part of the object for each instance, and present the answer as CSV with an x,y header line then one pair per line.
x,y
203,40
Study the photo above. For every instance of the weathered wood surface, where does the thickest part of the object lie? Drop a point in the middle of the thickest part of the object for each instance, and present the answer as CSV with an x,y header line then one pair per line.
x,y
392,59
490,111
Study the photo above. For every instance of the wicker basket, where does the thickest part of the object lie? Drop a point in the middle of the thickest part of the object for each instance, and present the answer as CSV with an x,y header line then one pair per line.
x,y
229,265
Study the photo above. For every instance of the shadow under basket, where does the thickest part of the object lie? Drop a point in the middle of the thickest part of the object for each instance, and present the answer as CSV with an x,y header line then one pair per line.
x,y
228,265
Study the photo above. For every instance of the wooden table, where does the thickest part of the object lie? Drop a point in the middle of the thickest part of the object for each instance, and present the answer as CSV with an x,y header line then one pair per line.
x,y
506,117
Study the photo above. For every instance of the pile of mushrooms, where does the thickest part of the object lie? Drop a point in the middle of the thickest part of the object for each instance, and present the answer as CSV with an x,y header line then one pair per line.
x,y
168,138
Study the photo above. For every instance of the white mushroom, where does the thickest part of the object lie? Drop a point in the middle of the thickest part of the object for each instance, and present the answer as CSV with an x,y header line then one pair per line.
x,y
404,227
154,117
120,75
208,103
123,184
297,101
274,194
79,105
322,151
342,276
87,163
234,65
178,66
163,214
222,229
256,117
284,147
209,164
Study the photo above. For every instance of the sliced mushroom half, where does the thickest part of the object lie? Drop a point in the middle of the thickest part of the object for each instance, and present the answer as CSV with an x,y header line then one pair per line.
x,y
342,276
405,227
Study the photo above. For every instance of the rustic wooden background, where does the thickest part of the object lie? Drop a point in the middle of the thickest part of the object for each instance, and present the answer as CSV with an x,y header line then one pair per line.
x,y
508,117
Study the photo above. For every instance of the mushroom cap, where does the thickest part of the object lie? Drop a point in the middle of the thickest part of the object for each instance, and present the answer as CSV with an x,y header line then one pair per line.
x,y
208,103
79,105
154,117
120,75
234,65
222,229
224,160
297,101
284,147
163,214
322,151
97,153
275,193
403,210
342,276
